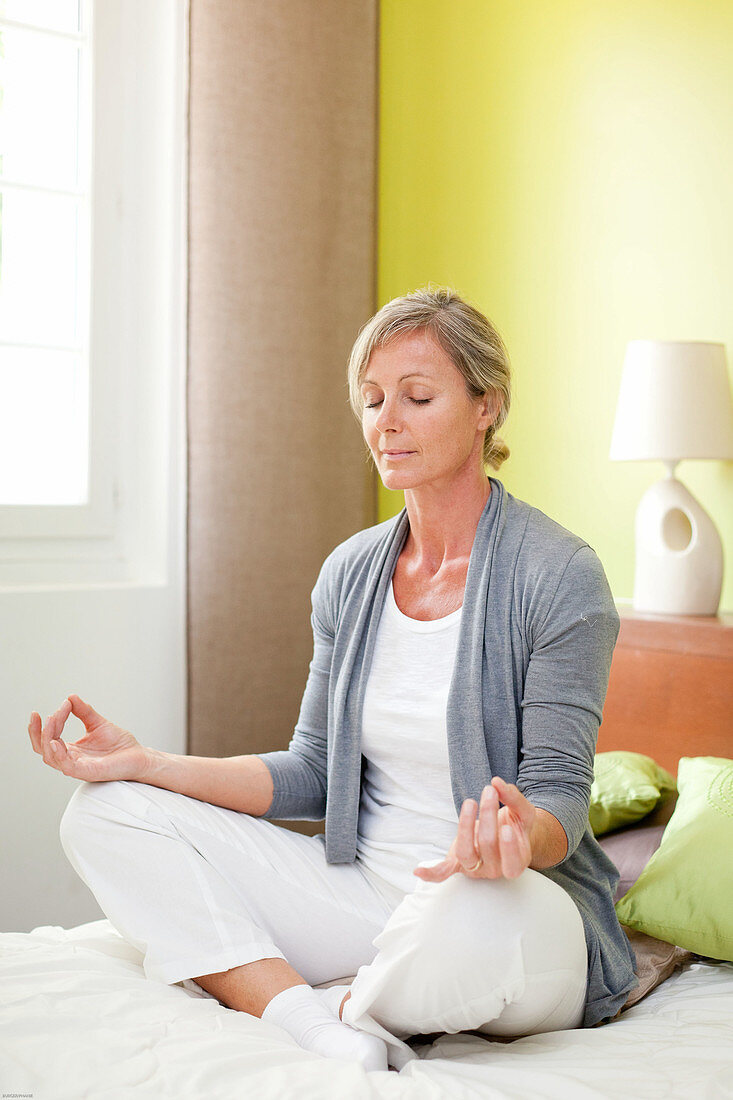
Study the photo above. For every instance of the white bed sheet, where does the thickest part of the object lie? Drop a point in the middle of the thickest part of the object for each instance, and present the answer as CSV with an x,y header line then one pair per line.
x,y
79,1019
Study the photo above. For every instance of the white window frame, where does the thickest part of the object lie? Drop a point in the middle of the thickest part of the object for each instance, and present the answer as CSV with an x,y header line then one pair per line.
x,y
137,316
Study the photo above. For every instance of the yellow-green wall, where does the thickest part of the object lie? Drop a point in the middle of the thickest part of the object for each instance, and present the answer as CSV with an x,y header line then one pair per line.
x,y
567,165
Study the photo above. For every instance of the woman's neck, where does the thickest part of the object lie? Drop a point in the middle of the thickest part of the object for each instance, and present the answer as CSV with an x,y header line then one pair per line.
x,y
443,523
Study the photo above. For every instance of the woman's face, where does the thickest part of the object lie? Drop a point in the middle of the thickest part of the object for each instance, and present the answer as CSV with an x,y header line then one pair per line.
x,y
419,421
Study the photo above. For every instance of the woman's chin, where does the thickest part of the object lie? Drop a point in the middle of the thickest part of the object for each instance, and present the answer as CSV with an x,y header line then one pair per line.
x,y
392,480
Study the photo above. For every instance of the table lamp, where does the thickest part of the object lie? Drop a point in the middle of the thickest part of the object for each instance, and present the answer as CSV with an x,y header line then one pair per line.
x,y
674,403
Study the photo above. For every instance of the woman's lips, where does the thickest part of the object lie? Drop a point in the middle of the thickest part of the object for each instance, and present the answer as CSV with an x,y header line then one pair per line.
x,y
395,455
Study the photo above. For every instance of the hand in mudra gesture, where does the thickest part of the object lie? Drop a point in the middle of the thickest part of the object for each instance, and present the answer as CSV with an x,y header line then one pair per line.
x,y
105,751
494,844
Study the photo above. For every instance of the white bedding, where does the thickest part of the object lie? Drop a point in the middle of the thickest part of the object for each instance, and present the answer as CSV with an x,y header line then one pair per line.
x,y
79,1019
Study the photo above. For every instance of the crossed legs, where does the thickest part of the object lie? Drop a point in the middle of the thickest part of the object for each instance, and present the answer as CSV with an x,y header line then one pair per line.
x,y
250,909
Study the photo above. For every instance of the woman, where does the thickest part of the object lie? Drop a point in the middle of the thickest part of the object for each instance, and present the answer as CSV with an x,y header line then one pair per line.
x,y
461,659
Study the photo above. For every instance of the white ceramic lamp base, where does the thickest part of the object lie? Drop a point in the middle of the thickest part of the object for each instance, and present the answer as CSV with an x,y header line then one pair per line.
x,y
679,554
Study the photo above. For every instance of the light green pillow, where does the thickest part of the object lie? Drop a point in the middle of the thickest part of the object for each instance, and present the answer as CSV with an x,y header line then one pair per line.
x,y
626,787
685,893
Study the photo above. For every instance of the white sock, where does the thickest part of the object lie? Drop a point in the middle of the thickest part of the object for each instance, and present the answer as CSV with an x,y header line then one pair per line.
x,y
332,997
302,1013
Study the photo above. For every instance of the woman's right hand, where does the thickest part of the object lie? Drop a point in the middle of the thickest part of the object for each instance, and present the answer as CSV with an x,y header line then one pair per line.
x,y
105,752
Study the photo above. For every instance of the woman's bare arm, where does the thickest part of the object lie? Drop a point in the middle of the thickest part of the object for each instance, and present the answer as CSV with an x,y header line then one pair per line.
x,y
107,753
240,783
548,841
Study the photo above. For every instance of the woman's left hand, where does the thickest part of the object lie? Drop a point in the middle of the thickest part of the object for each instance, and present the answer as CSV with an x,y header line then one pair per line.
x,y
494,844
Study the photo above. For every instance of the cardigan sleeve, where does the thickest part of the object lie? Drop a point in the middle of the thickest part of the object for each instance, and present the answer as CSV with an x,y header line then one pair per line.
x,y
564,692
299,772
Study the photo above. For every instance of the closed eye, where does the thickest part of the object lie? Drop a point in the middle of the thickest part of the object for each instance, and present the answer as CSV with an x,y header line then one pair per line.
x,y
415,401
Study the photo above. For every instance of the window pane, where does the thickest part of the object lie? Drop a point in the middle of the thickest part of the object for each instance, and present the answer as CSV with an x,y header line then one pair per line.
x,y
39,109
60,15
43,427
38,268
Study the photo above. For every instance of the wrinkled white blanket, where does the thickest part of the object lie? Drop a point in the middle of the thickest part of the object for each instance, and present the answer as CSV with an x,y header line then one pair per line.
x,y
79,1019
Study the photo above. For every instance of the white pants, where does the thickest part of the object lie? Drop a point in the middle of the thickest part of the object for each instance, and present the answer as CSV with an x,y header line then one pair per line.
x,y
200,889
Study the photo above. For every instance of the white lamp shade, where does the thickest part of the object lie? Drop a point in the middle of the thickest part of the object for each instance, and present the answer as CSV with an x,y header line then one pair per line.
x,y
674,402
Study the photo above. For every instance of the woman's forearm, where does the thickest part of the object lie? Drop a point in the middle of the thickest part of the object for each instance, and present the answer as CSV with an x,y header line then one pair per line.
x,y
548,841
240,783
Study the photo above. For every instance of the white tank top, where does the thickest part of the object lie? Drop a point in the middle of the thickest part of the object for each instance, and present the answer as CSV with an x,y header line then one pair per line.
x,y
407,812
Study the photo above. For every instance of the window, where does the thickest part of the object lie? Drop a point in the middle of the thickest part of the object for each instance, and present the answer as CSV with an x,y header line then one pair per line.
x,y
45,138
92,284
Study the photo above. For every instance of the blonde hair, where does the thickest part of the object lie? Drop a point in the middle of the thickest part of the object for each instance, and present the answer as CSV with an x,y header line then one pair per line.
x,y
466,335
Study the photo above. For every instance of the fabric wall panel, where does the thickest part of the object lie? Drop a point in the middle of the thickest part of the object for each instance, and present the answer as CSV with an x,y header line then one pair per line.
x,y
283,122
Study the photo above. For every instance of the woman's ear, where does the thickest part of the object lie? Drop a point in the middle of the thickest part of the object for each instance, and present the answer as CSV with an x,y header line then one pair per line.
x,y
489,411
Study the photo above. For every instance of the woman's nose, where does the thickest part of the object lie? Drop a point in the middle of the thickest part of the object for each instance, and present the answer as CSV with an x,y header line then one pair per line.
x,y
388,416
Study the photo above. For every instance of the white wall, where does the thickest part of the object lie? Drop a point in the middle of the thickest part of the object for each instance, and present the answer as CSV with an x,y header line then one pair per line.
x,y
123,650
118,643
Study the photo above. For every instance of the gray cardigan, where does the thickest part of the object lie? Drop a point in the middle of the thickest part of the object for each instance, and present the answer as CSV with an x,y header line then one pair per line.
x,y
534,653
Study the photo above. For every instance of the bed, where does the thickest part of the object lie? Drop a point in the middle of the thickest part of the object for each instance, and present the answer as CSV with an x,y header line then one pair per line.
x,y
79,1019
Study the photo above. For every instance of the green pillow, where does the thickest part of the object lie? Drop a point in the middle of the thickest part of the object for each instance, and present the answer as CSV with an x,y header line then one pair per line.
x,y
685,893
626,787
